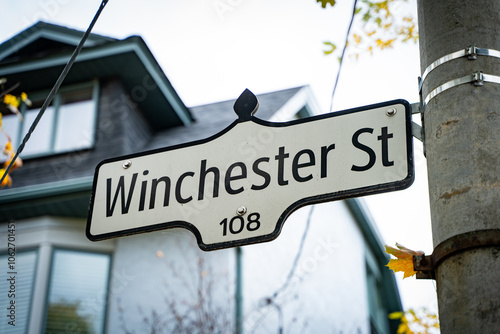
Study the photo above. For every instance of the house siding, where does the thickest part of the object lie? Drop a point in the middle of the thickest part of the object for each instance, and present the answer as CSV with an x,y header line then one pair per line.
x,y
161,275
326,291
122,127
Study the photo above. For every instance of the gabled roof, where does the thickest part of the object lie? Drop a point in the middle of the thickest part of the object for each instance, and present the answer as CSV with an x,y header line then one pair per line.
x,y
35,58
215,117
42,37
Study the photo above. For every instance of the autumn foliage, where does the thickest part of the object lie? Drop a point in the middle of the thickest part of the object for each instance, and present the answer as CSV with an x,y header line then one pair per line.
x,y
403,261
378,25
411,322
416,322
11,103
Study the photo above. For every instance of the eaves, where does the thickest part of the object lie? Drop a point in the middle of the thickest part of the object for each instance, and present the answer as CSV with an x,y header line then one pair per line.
x,y
103,60
68,198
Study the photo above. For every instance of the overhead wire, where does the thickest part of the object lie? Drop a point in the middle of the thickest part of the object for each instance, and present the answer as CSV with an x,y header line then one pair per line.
x,y
271,301
291,273
343,54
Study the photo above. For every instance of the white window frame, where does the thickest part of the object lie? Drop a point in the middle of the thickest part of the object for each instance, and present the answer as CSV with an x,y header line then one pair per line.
x,y
378,314
56,104
16,294
46,234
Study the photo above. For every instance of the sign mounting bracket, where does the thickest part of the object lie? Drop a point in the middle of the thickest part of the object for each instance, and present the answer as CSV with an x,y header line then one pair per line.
x,y
416,129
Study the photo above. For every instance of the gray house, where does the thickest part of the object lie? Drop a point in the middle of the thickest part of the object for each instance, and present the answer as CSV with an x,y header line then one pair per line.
x,y
325,273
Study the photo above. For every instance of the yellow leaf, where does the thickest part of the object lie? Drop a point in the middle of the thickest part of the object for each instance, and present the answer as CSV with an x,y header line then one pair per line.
x,y
412,312
396,315
383,6
357,38
402,251
404,329
422,320
18,163
8,146
404,265
11,153
24,98
7,181
403,261
11,100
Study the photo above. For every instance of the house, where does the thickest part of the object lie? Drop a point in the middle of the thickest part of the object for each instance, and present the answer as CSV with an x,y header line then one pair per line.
x,y
325,272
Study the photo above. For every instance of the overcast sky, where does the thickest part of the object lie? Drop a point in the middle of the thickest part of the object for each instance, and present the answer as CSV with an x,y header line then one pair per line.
x,y
211,50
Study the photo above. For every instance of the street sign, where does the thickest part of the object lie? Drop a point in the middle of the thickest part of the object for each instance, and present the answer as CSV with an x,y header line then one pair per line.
x,y
238,186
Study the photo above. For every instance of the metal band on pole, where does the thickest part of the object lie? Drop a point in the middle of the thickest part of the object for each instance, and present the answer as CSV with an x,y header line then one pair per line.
x,y
426,265
477,78
471,52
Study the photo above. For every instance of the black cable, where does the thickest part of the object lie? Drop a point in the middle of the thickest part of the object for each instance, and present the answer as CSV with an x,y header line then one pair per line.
x,y
291,273
54,90
343,53
297,256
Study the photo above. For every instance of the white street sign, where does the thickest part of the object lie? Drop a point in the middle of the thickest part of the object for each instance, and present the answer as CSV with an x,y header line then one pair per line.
x,y
238,187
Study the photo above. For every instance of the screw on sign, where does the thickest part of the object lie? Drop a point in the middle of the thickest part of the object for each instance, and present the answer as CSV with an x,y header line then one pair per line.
x,y
230,190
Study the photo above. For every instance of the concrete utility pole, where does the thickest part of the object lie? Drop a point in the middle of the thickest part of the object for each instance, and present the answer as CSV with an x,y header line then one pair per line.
x,y
462,141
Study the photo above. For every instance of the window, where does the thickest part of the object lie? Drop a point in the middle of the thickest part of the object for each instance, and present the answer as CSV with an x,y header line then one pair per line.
x,y
304,112
25,265
68,124
378,314
77,295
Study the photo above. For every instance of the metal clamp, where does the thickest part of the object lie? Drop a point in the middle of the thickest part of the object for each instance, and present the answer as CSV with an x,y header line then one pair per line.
x,y
471,52
425,265
478,78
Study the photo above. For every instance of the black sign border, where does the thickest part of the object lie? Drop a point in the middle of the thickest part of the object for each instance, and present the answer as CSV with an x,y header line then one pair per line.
x,y
335,196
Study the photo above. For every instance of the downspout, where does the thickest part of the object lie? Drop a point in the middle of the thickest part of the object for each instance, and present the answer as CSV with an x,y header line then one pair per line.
x,y
239,292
